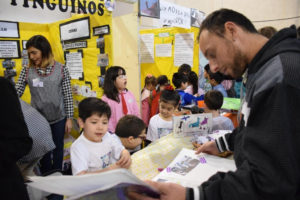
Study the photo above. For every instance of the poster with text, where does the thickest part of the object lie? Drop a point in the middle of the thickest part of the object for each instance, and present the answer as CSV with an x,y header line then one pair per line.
x,y
184,49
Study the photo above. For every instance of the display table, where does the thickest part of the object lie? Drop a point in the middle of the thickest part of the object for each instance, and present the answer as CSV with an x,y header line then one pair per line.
x,y
159,154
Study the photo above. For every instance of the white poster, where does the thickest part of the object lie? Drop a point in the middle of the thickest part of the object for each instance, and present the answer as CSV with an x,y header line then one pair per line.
x,y
9,29
74,64
174,15
184,49
9,49
147,48
163,50
77,29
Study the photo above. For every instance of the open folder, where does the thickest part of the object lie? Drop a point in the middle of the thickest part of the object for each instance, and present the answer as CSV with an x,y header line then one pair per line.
x,y
93,185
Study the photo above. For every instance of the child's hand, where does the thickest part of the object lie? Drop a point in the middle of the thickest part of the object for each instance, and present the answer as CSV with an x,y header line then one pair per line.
x,y
196,145
113,166
125,159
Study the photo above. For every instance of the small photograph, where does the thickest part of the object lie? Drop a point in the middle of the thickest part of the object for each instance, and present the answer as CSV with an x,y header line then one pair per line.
x,y
101,30
110,5
102,60
184,166
100,42
101,81
149,8
196,17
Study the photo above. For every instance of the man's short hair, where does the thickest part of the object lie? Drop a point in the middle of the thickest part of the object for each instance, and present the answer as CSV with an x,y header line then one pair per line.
x,y
213,99
216,20
130,125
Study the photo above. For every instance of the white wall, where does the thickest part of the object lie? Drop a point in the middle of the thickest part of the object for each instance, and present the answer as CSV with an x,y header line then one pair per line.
x,y
255,10
18,13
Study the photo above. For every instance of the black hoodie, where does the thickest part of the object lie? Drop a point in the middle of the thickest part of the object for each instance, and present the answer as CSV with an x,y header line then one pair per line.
x,y
266,145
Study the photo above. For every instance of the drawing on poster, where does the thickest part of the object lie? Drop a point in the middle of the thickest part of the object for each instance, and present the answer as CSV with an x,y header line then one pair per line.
x,y
185,165
190,125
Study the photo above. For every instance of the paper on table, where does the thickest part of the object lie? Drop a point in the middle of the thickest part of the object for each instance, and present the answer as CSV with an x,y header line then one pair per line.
x,y
77,186
190,170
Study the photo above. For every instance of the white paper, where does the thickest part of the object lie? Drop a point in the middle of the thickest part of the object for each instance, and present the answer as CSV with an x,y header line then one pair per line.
x,y
163,50
77,186
184,49
147,48
74,64
9,49
75,30
9,29
190,170
174,15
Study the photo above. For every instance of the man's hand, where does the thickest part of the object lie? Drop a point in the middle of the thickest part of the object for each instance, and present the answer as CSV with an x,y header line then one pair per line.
x,y
168,191
69,125
208,147
125,159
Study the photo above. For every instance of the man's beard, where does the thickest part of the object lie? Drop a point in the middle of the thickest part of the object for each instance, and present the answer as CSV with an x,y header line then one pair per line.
x,y
238,67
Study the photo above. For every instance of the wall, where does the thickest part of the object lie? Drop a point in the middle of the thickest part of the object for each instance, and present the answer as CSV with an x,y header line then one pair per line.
x,y
255,10
125,45
20,14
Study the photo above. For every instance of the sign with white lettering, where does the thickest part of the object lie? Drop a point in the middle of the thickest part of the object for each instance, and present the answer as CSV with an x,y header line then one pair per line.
x,y
9,49
174,15
9,29
74,30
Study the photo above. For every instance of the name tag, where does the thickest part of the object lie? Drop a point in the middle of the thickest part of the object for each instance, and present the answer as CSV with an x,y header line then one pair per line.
x,y
37,83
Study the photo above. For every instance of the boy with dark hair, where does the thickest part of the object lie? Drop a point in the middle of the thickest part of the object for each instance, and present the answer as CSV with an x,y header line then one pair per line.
x,y
213,101
180,81
132,132
184,69
96,150
215,79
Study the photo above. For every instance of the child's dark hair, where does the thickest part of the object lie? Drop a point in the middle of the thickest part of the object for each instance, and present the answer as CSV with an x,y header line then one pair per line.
x,y
218,77
213,99
179,78
92,105
206,68
170,96
109,87
193,79
185,69
130,125
162,80
150,79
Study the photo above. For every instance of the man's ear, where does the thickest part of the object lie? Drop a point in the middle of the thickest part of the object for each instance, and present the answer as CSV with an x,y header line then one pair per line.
x,y
230,30
80,122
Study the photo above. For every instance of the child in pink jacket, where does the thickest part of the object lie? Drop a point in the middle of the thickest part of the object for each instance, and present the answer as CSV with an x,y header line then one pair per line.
x,y
120,100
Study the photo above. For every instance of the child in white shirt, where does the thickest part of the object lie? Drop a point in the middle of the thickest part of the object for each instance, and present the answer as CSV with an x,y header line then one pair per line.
x,y
96,150
161,123
213,101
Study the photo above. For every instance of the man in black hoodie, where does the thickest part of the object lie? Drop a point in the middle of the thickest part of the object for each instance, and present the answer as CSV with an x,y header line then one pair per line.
x,y
266,145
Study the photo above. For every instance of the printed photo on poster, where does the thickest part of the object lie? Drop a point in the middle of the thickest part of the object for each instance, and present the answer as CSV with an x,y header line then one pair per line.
x,y
100,42
102,60
149,8
197,17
